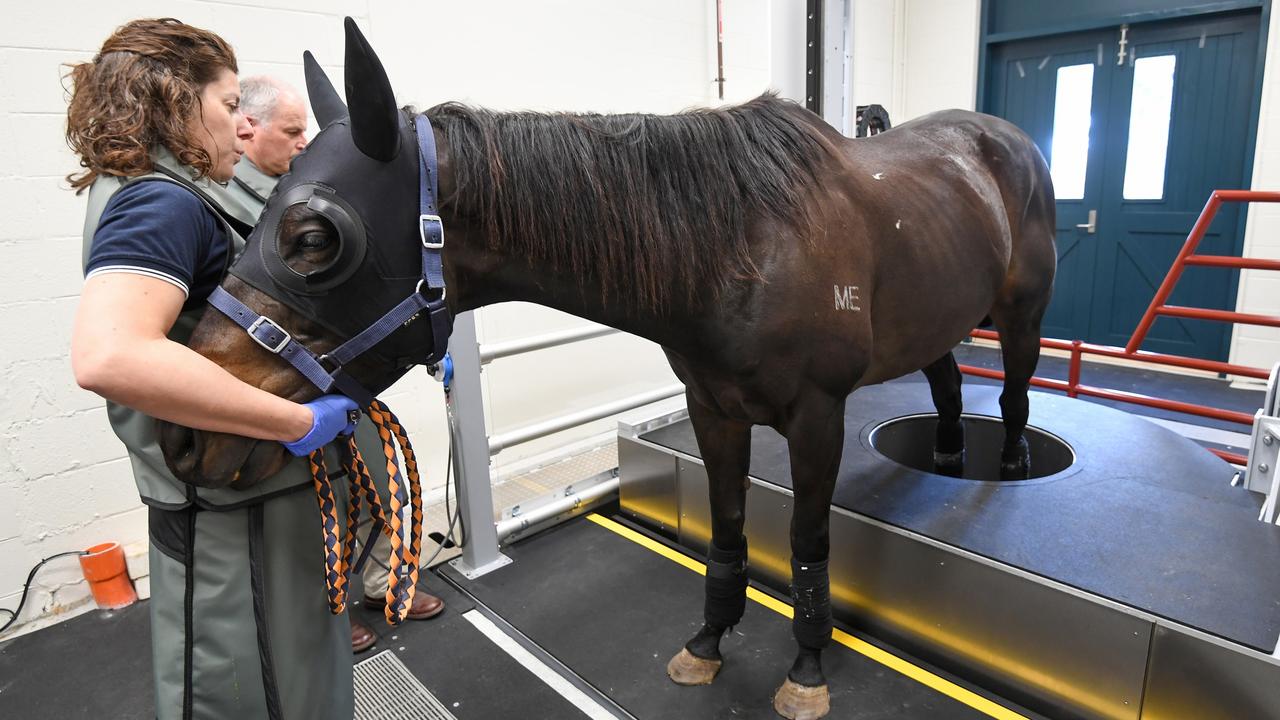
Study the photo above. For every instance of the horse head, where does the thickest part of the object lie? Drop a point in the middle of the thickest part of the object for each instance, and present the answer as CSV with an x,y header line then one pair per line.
x,y
336,247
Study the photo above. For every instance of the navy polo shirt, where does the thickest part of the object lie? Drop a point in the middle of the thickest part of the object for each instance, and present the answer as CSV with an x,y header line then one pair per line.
x,y
161,230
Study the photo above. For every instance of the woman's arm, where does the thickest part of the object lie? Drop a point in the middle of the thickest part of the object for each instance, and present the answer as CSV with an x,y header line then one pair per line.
x,y
119,351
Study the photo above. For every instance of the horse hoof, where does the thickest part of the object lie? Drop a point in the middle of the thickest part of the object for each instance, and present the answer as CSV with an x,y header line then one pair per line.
x,y
1017,470
950,464
689,669
801,702
1017,467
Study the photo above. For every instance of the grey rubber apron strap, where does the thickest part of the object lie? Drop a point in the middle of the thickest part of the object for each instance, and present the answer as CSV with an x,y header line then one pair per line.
x,y
259,589
188,617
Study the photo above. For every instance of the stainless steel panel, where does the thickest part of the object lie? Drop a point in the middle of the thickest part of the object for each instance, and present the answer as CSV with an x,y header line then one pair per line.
x,y
1045,646
695,505
1194,675
648,485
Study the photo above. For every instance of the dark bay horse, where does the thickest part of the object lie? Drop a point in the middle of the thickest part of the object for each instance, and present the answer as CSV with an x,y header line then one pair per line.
x,y
780,266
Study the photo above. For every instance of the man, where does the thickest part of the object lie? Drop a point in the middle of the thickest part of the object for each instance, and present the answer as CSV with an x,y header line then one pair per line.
x,y
278,115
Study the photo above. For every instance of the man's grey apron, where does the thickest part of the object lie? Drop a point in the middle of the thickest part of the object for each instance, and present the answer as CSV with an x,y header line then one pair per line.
x,y
239,619
251,186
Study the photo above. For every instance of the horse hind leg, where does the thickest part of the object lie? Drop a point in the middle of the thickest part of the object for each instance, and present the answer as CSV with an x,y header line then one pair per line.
x,y
726,448
1019,326
948,445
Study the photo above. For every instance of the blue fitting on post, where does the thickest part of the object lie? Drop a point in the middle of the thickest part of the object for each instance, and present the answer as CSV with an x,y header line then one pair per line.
x,y
443,371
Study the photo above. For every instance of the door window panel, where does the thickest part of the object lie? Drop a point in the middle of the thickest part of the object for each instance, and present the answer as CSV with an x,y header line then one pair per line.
x,y
1069,150
1149,113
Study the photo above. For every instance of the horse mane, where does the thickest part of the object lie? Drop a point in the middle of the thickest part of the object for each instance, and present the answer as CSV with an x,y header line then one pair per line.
x,y
654,207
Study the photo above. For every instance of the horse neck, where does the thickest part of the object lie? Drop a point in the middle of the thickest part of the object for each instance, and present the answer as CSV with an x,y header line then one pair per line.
x,y
481,276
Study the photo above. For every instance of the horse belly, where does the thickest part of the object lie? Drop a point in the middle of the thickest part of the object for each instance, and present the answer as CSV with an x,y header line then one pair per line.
x,y
927,300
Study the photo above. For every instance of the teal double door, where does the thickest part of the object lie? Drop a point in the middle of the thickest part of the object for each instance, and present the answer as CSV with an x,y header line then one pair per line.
x,y
1139,125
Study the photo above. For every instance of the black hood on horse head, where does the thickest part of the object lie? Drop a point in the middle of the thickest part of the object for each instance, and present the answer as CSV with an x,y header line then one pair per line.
x,y
359,173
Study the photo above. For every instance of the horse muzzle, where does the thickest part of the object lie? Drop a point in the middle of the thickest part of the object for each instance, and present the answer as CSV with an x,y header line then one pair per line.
x,y
215,460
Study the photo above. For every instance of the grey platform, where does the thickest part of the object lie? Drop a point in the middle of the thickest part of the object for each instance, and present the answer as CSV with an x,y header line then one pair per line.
x,y
1135,583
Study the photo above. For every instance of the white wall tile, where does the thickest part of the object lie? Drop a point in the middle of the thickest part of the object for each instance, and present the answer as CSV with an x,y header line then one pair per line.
x,y
43,325
35,452
47,267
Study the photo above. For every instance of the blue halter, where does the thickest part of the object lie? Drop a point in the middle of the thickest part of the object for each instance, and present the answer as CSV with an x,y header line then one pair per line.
x,y
428,296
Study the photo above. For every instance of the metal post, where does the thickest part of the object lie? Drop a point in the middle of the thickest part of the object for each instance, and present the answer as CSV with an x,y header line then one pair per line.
x,y
1073,371
471,454
836,40
813,56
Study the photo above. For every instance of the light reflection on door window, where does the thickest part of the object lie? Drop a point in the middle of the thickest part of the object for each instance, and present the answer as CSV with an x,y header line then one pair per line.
x,y
1149,127
1069,150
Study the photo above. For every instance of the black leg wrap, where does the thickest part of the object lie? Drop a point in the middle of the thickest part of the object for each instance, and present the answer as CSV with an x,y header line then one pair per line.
x,y
811,593
726,586
949,438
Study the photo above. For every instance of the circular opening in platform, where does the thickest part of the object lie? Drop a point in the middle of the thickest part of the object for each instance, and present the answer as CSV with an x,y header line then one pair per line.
x,y
909,441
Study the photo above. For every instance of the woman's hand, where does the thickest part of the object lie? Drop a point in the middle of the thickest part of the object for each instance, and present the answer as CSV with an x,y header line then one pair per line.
x,y
332,415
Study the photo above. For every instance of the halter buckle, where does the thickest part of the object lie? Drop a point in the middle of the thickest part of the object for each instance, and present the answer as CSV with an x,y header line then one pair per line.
x,y
423,219
285,337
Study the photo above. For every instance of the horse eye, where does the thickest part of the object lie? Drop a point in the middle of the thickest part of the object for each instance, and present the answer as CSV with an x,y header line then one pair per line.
x,y
314,241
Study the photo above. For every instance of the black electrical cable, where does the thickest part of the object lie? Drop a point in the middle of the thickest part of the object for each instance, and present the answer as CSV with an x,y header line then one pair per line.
x,y
448,535
27,586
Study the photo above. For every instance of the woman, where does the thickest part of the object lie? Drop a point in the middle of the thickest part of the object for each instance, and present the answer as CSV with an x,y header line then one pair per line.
x,y
240,625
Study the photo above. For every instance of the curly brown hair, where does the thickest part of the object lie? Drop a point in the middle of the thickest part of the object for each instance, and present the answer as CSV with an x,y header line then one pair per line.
x,y
141,90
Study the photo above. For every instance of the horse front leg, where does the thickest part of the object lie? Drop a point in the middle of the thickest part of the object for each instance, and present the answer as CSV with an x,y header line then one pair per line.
x,y
726,448
815,438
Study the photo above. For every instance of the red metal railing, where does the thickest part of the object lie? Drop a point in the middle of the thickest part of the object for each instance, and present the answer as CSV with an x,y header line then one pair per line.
x,y
1078,349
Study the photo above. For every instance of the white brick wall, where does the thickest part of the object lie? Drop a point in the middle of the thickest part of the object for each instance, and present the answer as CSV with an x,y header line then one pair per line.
x,y
64,481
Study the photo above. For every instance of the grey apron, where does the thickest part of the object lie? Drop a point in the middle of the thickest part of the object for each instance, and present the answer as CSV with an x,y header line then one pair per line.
x,y
239,617
251,186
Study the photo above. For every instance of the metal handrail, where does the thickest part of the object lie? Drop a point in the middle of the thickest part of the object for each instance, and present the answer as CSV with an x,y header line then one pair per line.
x,y
493,351
498,443
1187,256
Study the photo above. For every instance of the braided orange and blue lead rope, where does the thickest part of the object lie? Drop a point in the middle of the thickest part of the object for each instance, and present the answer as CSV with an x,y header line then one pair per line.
x,y
403,577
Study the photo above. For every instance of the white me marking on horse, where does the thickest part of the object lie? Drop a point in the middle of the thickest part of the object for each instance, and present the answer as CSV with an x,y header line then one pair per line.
x,y
847,297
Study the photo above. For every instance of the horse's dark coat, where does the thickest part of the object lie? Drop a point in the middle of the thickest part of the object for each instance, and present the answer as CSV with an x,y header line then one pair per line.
x,y
780,266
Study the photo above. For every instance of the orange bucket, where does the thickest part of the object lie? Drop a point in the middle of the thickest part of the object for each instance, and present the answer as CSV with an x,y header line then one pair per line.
x,y
108,576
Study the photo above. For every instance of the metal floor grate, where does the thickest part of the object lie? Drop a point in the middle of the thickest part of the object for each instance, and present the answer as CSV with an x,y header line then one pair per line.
x,y
551,478
386,690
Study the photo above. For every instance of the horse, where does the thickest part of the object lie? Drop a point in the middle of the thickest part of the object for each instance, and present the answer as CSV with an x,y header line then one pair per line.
x,y
779,265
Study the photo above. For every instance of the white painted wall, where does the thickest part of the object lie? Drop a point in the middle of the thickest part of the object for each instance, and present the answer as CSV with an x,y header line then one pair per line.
x,y
915,56
64,481
1259,291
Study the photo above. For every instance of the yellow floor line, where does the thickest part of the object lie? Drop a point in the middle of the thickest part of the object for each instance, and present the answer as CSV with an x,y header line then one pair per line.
x,y
889,660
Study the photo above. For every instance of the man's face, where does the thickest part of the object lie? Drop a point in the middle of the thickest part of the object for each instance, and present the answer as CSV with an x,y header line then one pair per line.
x,y
277,140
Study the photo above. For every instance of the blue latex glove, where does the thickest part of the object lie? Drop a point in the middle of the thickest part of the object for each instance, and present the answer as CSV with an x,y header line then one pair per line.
x,y
332,415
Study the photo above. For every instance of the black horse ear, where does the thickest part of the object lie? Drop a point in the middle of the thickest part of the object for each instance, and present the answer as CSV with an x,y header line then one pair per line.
x,y
326,105
375,120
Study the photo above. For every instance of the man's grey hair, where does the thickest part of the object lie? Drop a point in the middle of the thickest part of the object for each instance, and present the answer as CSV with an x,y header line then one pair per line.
x,y
259,96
